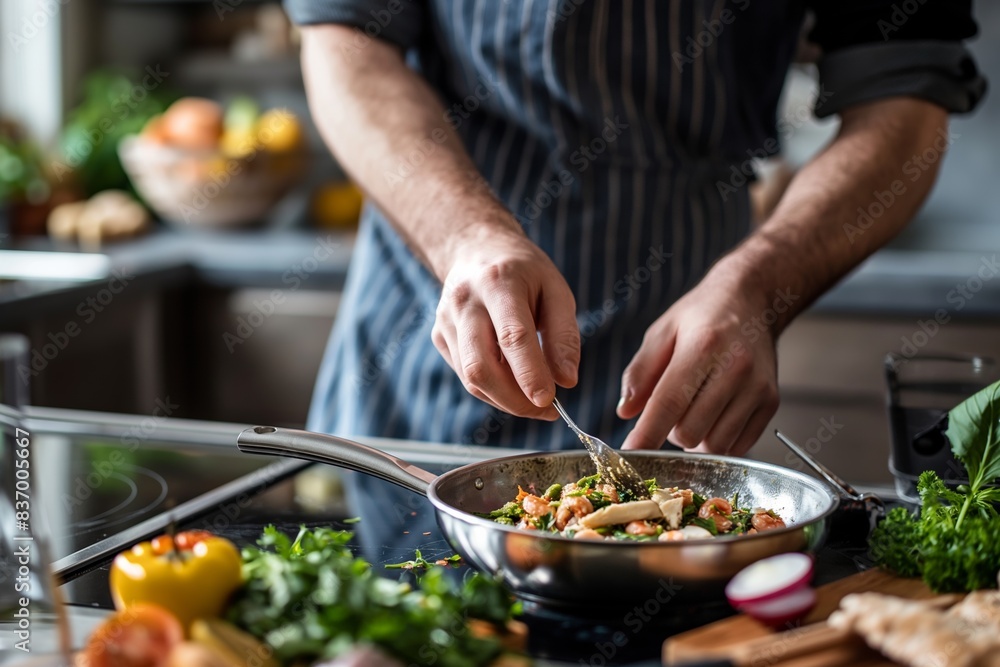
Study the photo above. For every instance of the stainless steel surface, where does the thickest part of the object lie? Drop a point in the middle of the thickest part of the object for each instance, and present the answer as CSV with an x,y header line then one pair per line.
x,y
337,452
820,469
851,499
846,490
555,569
609,463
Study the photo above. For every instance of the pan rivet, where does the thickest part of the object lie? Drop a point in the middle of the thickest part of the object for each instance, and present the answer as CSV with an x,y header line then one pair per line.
x,y
479,483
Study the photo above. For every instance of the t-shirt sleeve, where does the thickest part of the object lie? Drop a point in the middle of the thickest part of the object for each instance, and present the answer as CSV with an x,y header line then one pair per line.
x,y
873,49
396,21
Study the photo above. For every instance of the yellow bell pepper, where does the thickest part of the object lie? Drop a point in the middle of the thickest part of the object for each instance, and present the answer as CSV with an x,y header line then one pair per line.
x,y
192,575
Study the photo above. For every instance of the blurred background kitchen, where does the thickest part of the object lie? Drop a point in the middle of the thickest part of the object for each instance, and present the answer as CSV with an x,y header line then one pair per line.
x,y
174,236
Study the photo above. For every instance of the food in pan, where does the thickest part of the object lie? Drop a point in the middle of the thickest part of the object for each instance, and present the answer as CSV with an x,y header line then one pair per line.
x,y
592,509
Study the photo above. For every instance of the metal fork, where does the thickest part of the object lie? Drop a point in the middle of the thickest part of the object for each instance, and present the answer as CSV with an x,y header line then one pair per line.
x,y
610,464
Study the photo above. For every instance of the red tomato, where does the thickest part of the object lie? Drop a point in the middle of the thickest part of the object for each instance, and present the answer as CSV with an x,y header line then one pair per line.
x,y
185,541
140,636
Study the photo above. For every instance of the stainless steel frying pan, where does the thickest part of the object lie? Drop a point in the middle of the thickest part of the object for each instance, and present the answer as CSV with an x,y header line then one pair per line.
x,y
556,570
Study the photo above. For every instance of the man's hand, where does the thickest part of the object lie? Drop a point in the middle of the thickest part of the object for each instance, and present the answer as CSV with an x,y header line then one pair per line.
x,y
500,290
500,293
702,377
679,379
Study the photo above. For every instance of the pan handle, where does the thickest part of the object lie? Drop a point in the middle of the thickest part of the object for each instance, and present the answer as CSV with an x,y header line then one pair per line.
x,y
334,451
845,490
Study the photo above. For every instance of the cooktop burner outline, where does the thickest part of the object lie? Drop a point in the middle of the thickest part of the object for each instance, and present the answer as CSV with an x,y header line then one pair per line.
x,y
102,520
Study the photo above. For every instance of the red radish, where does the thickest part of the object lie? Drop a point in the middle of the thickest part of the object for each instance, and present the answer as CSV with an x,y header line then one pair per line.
x,y
777,611
770,578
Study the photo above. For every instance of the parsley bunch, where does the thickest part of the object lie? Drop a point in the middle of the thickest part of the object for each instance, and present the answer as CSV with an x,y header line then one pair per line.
x,y
954,543
311,598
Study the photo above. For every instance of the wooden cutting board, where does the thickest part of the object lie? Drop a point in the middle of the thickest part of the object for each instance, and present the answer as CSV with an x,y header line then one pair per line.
x,y
705,642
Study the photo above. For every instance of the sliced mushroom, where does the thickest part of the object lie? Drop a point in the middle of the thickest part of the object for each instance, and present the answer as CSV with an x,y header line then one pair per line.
x,y
671,508
622,513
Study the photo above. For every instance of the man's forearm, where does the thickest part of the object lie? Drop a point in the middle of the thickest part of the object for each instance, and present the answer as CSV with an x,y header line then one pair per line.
x,y
816,235
391,133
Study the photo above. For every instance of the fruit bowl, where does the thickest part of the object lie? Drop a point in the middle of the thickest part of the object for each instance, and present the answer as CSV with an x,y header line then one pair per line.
x,y
196,188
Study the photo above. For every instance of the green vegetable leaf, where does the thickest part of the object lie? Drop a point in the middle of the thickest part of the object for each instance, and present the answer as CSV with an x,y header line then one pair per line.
x,y
419,562
707,524
974,433
597,499
510,512
895,543
311,599
688,514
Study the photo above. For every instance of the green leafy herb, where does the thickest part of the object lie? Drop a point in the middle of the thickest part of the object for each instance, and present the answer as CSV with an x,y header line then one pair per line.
x,y
545,522
974,433
627,496
741,519
419,562
707,524
598,499
622,535
111,109
312,599
954,544
894,543
509,514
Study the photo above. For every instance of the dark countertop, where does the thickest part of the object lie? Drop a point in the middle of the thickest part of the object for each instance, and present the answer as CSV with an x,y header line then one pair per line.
x,y
918,283
898,281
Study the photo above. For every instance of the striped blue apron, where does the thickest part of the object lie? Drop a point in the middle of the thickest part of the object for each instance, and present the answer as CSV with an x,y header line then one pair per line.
x,y
609,128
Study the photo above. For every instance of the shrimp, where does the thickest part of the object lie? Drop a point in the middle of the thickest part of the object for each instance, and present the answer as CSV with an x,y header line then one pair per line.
x,y
766,521
610,492
686,494
574,506
672,536
536,506
718,510
588,534
640,528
